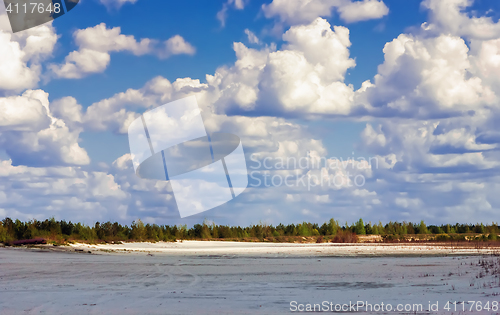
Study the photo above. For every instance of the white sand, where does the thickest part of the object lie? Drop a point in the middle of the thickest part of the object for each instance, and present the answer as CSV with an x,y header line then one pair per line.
x,y
254,248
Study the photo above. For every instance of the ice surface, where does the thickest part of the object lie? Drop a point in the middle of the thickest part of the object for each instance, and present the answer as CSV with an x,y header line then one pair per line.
x,y
215,278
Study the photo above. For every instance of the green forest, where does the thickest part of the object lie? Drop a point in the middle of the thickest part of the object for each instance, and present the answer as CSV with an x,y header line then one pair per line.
x,y
331,231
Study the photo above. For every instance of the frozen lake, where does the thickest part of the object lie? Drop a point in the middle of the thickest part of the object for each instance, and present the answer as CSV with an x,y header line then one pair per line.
x,y
41,282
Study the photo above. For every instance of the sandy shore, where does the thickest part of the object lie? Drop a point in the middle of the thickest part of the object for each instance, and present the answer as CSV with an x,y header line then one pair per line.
x,y
286,249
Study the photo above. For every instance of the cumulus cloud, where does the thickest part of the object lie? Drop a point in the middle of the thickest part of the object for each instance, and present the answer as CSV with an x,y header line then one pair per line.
x,y
425,77
431,147
303,78
273,136
292,12
446,94
441,106
117,112
176,45
440,160
306,76
29,133
362,11
115,192
449,16
32,136
485,60
22,54
23,113
96,43
435,98
68,109
63,192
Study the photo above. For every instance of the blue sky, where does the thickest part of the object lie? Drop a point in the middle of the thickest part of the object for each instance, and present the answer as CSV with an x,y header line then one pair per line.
x,y
411,84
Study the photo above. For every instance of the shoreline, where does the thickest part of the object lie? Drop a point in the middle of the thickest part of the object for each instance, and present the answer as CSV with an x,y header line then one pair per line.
x,y
262,249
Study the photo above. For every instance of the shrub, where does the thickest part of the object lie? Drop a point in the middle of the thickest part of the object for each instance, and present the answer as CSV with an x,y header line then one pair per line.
x,y
457,237
443,237
345,237
4,236
390,238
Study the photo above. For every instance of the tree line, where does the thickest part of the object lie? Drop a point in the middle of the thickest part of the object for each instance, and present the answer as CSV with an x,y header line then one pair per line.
x,y
63,231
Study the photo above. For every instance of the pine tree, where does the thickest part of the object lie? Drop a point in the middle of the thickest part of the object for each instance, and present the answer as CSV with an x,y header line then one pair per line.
x,y
360,227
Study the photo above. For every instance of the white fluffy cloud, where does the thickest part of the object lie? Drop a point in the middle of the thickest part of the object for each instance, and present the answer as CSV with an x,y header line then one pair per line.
x,y
101,38
32,136
63,192
364,10
29,133
68,109
23,113
425,77
96,43
306,76
447,93
270,135
485,60
433,147
22,54
292,12
448,16
118,111
436,99
433,170
176,45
